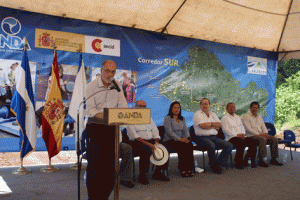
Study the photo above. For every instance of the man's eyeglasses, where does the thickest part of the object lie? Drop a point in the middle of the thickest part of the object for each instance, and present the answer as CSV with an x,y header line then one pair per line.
x,y
141,106
109,71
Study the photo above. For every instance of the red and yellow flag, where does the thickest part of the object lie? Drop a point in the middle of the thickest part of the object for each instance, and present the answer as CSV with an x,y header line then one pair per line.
x,y
53,116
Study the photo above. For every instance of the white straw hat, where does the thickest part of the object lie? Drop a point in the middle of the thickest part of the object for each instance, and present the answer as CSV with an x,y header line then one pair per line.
x,y
160,155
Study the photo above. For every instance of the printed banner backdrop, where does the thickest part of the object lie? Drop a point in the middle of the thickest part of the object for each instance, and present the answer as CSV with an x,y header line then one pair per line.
x,y
156,68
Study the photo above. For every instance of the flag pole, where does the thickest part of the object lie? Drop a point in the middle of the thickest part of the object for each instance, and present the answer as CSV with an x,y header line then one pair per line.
x,y
50,168
22,170
78,165
78,145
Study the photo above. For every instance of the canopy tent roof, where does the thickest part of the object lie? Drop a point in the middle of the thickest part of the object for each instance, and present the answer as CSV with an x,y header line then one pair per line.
x,y
271,25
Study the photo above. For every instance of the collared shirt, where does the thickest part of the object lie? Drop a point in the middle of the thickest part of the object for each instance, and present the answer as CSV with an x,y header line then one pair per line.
x,y
199,118
232,125
144,131
99,97
174,130
254,125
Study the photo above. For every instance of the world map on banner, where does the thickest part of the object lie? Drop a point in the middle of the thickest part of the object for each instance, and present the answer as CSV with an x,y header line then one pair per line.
x,y
203,76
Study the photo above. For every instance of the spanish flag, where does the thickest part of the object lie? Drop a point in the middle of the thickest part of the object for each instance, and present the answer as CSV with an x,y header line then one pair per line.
x,y
53,115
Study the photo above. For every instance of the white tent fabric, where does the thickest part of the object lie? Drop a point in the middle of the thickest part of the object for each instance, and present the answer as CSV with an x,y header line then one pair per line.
x,y
271,25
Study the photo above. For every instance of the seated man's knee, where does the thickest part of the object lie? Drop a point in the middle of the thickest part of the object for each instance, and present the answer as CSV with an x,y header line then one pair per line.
x,y
230,146
211,147
263,141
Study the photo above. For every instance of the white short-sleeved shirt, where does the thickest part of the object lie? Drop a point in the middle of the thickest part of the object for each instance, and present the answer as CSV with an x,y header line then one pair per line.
x,y
199,118
144,131
232,125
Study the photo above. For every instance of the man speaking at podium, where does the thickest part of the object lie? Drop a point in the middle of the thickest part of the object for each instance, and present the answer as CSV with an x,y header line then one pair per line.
x,y
101,146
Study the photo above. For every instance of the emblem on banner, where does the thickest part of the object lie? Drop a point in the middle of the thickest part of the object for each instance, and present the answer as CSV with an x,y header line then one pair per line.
x,y
11,26
45,40
54,110
257,65
96,45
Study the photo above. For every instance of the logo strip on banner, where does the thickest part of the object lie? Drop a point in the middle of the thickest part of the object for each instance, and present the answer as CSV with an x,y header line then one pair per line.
x,y
63,41
73,42
257,65
103,46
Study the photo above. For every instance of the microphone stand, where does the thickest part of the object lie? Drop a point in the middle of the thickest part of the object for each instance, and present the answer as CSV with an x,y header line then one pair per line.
x,y
78,144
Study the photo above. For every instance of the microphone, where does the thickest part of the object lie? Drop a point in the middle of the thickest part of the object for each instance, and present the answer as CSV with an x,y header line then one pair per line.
x,y
115,85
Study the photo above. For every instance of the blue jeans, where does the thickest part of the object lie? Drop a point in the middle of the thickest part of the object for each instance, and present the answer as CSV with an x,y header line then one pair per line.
x,y
211,143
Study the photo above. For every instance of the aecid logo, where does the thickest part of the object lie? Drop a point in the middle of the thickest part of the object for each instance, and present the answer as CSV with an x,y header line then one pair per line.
x,y
11,27
96,45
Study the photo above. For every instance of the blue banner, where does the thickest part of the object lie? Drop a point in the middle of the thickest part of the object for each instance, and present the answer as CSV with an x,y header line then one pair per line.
x,y
157,68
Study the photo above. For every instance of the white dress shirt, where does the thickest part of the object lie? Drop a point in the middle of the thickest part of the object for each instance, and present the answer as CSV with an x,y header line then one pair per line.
x,y
232,125
199,118
144,131
254,125
99,97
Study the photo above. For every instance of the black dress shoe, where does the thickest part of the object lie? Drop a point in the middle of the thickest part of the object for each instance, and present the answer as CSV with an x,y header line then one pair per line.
x,y
216,169
245,163
253,165
160,177
262,164
239,166
143,180
275,162
128,184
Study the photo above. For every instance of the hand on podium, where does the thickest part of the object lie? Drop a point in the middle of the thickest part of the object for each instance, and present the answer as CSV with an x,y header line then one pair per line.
x,y
99,116
98,119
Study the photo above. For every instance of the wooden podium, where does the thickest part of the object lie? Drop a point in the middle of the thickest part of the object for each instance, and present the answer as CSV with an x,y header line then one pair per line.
x,y
117,117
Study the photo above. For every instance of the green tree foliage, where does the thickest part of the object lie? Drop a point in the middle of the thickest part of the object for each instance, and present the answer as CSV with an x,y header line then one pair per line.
x,y
286,69
287,105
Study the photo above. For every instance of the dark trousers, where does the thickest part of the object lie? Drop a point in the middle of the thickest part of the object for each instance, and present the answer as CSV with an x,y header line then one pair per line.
x,y
185,154
126,168
144,151
240,145
101,161
211,143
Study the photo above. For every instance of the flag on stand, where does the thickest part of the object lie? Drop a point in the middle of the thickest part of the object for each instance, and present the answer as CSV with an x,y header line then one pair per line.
x,y
77,97
53,115
23,106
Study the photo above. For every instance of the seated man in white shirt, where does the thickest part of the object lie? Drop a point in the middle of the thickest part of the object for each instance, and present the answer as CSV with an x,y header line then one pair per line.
x,y
142,139
256,129
234,132
206,125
